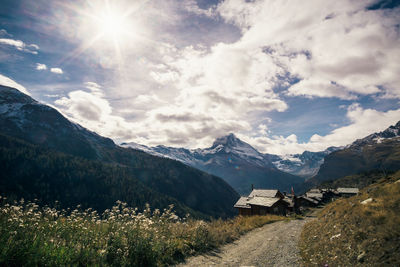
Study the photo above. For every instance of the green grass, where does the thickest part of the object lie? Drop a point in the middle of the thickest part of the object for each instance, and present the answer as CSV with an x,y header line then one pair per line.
x,y
32,236
349,233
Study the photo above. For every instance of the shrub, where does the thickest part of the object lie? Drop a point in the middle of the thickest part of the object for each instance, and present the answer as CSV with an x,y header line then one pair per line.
x,y
121,236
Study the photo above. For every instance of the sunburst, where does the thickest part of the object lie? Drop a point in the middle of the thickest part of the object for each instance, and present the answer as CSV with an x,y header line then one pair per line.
x,y
107,22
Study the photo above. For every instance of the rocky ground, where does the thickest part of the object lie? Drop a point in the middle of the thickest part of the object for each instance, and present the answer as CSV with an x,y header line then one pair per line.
x,y
271,245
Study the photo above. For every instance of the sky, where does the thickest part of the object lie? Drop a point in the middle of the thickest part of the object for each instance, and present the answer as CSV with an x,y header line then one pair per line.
x,y
283,75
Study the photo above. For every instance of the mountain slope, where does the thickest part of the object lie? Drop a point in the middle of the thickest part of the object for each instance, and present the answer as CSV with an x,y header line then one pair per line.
x,y
235,161
378,151
32,172
24,118
363,230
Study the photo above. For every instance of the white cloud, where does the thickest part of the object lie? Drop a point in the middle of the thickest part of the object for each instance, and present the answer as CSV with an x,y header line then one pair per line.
x,y
3,32
40,66
191,6
335,46
56,70
93,110
20,45
320,88
11,83
360,126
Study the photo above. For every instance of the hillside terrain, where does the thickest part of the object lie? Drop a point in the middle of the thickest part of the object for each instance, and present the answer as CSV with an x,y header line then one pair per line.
x,y
33,172
360,180
378,152
363,230
24,118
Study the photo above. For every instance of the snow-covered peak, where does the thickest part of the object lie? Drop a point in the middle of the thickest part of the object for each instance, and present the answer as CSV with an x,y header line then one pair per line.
x,y
228,140
232,144
391,132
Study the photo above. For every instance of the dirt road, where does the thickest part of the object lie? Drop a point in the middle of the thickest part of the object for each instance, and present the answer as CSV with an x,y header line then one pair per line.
x,y
271,245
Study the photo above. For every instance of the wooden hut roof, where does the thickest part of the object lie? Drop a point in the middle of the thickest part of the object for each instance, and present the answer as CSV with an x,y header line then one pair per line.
x,y
264,201
314,190
315,195
347,190
266,193
242,203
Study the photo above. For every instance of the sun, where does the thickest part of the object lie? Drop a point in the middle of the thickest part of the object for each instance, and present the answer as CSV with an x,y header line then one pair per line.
x,y
108,24
113,22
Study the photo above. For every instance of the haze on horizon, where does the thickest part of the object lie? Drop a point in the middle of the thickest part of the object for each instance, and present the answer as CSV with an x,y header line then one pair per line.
x,y
283,76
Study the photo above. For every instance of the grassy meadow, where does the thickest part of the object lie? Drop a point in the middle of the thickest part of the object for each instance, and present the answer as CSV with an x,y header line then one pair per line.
x,y
363,230
31,235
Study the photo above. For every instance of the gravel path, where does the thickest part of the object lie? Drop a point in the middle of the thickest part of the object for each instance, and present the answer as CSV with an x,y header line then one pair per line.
x,y
271,245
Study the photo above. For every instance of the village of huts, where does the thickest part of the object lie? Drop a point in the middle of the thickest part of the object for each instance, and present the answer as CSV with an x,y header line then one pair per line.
x,y
272,201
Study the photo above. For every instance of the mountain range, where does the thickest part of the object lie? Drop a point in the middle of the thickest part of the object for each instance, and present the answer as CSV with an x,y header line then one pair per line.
x,y
242,166
375,152
35,137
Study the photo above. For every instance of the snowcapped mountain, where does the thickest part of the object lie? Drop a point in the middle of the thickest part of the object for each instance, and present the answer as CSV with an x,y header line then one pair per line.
x,y
375,152
237,162
229,144
377,138
305,165
230,152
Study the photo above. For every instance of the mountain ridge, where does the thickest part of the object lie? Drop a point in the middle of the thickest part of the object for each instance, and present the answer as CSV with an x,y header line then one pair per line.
x,y
236,161
375,152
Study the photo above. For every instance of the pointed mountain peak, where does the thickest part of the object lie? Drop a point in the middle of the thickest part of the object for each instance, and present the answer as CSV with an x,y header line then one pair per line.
x,y
229,140
231,144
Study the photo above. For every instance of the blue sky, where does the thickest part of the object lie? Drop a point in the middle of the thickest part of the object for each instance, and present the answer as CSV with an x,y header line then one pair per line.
x,y
284,76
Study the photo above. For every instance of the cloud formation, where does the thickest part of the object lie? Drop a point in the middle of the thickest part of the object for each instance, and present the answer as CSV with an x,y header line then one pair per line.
x,y
360,126
56,70
90,108
40,66
20,45
336,49
4,33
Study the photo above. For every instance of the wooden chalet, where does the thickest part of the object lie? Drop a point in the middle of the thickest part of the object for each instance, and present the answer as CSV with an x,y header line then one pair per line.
x,y
262,202
347,191
304,201
317,196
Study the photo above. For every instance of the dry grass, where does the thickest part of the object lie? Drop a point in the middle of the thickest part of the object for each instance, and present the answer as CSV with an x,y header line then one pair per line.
x,y
30,235
348,232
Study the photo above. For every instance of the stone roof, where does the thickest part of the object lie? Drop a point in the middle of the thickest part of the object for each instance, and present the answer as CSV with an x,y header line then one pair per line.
x,y
315,195
242,203
314,190
264,193
347,190
263,201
